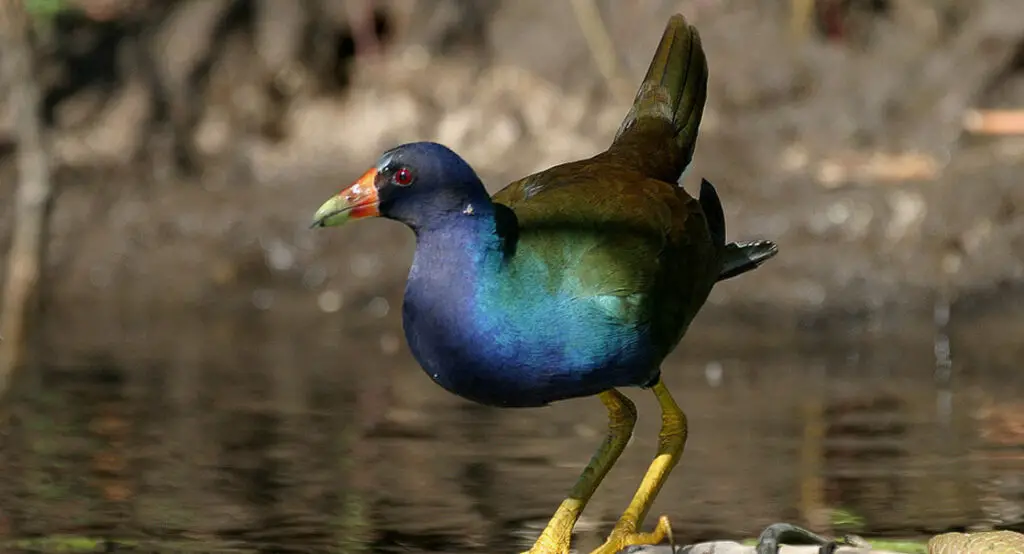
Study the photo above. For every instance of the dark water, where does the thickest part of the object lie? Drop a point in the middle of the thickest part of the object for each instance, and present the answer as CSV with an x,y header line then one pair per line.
x,y
292,441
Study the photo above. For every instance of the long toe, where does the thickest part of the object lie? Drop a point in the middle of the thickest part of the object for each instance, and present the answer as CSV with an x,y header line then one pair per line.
x,y
621,538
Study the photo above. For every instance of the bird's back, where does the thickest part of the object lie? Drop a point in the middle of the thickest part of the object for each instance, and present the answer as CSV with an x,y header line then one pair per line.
x,y
617,225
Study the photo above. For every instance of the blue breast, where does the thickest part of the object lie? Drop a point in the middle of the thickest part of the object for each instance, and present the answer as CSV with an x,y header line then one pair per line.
x,y
506,343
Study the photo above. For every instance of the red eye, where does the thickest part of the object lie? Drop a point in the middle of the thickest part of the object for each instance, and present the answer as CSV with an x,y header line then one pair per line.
x,y
403,177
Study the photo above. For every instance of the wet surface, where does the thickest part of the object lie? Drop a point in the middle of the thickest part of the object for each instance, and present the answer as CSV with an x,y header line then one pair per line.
x,y
253,439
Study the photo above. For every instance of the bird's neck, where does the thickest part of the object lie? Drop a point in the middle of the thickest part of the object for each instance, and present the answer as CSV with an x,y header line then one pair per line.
x,y
454,265
456,250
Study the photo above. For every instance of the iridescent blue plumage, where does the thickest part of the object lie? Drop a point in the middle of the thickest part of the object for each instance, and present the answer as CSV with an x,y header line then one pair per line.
x,y
506,328
527,307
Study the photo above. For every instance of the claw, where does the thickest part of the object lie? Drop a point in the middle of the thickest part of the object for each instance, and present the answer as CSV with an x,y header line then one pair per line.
x,y
621,538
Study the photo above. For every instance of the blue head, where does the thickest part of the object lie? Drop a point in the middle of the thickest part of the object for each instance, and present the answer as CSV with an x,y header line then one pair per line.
x,y
421,184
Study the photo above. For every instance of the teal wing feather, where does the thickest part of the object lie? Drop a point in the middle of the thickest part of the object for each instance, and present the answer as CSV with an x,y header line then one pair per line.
x,y
618,224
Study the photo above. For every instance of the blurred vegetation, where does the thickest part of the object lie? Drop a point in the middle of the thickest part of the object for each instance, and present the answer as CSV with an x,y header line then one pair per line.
x,y
846,521
45,8
191,137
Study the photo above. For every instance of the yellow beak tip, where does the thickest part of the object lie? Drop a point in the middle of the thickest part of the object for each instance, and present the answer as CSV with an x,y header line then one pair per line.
x,y
332,213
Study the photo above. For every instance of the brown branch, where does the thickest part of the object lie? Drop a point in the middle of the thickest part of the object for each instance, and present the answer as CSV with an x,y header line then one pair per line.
x,y
994,122
25,257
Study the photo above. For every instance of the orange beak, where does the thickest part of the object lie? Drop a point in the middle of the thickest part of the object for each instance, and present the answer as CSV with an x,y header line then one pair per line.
x,y
358,201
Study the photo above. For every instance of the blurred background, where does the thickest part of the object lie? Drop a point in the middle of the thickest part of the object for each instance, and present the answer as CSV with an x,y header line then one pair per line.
x,y
203,371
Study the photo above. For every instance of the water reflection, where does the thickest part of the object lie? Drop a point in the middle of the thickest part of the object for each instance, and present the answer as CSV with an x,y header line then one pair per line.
x,y
293,442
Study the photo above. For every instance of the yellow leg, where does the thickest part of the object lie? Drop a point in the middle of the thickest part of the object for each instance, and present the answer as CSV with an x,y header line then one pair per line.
x,y
621,418
671,441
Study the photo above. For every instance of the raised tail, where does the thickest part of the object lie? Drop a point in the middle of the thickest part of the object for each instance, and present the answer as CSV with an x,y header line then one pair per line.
x,y
659,134
672,92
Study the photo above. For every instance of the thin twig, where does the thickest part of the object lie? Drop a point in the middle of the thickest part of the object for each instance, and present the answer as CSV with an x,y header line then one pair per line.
x,y
28,244
800,16
994,122
600,43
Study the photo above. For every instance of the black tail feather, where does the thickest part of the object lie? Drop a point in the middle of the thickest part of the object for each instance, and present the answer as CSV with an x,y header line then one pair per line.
x,y
741,257
711,205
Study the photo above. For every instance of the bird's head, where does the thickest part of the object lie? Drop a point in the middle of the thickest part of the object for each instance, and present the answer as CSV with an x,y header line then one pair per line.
x,y
417,184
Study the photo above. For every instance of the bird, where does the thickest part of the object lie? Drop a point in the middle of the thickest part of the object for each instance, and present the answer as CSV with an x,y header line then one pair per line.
x,y
574,281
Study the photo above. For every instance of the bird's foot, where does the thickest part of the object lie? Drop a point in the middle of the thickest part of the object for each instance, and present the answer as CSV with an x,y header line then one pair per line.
x,y
624,536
